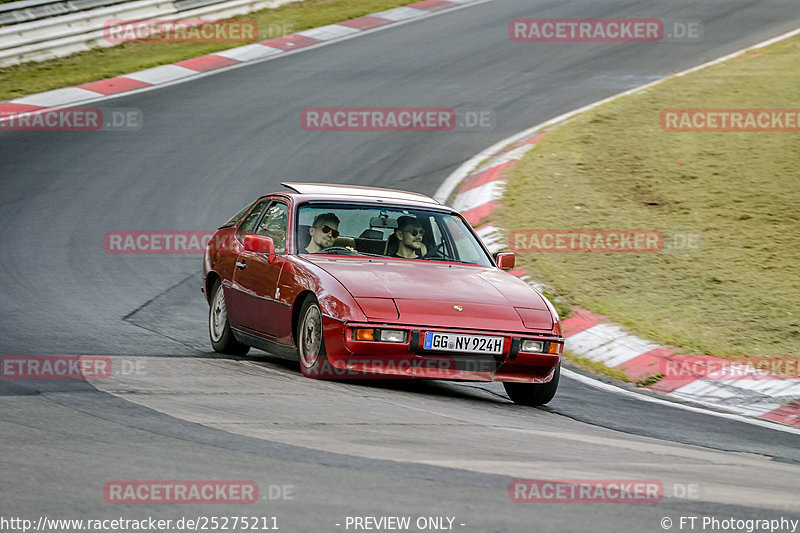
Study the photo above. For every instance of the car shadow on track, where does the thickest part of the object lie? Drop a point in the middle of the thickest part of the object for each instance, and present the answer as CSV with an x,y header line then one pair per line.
x,y
476,391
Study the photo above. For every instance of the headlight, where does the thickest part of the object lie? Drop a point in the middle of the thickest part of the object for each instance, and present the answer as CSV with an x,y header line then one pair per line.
x,y
392,335
532,346
382,335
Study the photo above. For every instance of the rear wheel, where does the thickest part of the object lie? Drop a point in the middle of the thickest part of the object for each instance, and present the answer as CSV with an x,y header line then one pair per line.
x,y
219,330
533,393
311,341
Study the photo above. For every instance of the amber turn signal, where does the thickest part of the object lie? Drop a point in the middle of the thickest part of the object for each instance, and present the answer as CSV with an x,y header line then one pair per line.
x,y
363,334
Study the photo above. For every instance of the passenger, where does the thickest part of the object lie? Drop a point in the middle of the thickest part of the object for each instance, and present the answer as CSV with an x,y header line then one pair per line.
x,y
409,235
324,232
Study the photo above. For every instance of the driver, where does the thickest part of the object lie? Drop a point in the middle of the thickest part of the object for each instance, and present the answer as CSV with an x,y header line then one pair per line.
x,y
409,235
324,231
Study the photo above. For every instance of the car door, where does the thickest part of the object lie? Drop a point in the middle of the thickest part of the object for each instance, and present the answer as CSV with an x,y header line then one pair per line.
x,y
255,279
233,297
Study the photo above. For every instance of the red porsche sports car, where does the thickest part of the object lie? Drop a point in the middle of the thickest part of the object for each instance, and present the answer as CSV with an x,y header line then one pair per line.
x,y
368,282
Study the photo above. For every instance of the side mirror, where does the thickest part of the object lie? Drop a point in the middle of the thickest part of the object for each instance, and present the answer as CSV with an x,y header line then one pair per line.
x,y
260,244
505,261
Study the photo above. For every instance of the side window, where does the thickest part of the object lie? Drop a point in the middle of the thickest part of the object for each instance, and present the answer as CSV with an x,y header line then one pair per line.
x,y
250,221
274,225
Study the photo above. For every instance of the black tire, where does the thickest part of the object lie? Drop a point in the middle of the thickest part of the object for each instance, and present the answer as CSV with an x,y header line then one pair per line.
x,y
533,393
219,330
311,341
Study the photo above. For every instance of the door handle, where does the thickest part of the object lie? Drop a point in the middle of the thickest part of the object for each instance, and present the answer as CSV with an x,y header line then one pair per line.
x,y
240,264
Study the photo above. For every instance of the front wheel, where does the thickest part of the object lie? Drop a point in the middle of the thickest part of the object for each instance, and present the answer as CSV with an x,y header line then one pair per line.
x,y
311,341
222,339
533,393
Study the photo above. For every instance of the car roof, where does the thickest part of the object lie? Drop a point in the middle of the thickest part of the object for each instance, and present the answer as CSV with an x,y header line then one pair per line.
x,y
323,190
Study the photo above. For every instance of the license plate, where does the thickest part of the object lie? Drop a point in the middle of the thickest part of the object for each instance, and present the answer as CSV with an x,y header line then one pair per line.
x,y
457,342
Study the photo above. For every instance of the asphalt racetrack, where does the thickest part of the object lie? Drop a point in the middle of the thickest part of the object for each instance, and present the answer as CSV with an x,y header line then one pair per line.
x,y
323,451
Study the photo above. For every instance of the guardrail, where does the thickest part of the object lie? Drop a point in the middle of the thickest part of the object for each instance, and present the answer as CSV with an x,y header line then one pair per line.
x,y
30,10
59,36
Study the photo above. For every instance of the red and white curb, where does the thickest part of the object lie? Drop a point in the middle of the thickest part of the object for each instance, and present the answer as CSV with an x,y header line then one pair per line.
x,y
723,383
475,190
226,59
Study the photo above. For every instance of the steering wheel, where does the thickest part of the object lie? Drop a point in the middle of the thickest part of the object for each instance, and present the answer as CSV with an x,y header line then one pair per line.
x,y
437,252
335,249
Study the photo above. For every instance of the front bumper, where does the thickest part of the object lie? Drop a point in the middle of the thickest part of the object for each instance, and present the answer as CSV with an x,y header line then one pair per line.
x,y
353,359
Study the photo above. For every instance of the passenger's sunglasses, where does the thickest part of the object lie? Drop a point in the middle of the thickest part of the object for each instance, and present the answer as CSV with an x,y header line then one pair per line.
x,y
415,232
328,229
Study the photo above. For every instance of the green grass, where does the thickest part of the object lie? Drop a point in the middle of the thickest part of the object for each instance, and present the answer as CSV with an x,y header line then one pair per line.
x,y
615,168
101,63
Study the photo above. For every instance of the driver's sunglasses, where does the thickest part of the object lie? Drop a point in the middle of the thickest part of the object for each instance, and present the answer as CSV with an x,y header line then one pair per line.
x,y
328,229
415,232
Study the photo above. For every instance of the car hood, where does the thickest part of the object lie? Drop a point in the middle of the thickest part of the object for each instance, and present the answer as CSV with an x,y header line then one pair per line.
x,y
430,280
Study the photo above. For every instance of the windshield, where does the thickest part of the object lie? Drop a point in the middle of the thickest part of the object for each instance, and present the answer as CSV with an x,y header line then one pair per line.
x,y
383,231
